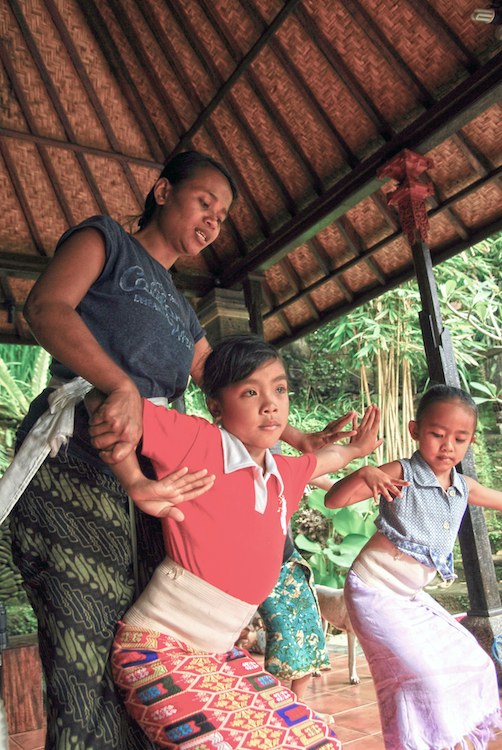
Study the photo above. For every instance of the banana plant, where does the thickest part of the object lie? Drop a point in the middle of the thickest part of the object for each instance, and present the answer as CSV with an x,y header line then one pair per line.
x,y
24,373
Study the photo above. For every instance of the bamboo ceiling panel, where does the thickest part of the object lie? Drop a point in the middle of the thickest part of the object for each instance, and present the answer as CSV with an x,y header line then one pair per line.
x,y
303,100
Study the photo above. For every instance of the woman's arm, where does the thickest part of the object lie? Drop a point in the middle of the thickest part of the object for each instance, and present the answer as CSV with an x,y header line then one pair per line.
x,y
157,498
366,482
201,351
50,311
483,496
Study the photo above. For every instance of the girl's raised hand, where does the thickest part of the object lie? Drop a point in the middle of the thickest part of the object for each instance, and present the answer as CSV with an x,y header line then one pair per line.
x,y
161,498
380,483
331,433
366,439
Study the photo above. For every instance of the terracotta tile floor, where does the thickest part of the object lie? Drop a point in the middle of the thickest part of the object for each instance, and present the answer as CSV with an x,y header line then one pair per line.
x,y
354,708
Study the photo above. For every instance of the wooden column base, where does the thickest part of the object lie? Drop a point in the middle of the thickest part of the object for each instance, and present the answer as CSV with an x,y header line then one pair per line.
x,y
21,678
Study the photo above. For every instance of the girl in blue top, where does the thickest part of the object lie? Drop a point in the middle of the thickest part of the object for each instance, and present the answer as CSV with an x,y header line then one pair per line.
x,y
436,687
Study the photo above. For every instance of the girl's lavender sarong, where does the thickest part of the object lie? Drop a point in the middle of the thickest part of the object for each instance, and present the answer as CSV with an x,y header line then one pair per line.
x,y
435,684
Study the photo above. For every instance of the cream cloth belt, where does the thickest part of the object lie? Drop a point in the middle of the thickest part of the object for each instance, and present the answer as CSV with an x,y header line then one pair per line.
x,y
51,430
178,603
381,565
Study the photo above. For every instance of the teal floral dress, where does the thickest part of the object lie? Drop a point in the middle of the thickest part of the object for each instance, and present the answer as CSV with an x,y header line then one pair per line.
x,y
295,639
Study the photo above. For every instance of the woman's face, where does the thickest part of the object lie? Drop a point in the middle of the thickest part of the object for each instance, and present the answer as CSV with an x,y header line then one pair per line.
x,y
192,212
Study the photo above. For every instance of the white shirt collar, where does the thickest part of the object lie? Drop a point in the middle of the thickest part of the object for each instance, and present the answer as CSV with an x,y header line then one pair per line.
x,y
236,456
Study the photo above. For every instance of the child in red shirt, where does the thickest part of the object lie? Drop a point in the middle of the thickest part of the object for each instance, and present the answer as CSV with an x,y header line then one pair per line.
x,y
173,657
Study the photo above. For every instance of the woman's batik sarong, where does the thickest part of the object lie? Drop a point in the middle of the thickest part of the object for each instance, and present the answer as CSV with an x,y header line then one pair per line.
x,y
72,543
190,700
295,639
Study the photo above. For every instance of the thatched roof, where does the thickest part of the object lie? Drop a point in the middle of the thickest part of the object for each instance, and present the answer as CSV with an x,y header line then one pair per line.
x,y
303,101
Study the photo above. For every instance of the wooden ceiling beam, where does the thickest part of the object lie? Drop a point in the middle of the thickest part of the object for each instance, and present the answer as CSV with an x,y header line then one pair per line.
x,y
243,65
344,73
21,197
233,105
445,33
366,254
22,266
386,49
446,117
328,316
118,68
55,101
145,64
32,125
92,96
79,148
291,69
279,122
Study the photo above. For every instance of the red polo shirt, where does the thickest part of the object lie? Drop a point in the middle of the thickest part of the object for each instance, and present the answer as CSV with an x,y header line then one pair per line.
x,y
224,539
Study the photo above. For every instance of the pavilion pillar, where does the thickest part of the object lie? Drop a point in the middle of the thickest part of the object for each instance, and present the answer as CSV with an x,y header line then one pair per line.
x,y
223,312
484,617
253,297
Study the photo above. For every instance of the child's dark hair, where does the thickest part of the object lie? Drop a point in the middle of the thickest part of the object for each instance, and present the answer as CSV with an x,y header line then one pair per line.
x,y
234,359
438,393
181,168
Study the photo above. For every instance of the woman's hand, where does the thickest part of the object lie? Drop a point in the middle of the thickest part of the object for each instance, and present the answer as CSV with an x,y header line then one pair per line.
x,y
313,441
380,483
116,424
161,498
366,440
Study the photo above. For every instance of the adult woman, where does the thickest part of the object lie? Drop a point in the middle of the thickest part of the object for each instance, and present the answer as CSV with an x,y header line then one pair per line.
x,y
107,309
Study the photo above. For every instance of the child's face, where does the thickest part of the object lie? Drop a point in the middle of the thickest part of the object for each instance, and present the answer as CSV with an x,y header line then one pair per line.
x,y
256,409
444,433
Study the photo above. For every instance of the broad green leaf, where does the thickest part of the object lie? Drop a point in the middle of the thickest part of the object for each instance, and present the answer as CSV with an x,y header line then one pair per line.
x,y
302,542
346,552
349,521
316,502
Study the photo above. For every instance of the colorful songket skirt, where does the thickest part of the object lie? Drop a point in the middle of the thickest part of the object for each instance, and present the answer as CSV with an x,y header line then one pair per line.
x,y
188,699
295,638
436,686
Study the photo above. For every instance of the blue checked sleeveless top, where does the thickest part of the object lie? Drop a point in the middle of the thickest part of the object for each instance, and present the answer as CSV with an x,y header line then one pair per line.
x,y
424,522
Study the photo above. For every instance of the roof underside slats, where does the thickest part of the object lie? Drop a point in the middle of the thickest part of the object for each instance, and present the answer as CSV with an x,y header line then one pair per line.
x,y
303,101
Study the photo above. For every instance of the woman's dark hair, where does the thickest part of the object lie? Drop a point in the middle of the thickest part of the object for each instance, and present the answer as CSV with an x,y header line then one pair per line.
x,y
444,393
181,168
234,359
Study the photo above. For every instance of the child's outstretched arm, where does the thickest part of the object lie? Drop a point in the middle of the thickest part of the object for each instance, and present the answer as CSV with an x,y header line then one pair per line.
x,y
160,498
484,496
366,482
157,498
334,457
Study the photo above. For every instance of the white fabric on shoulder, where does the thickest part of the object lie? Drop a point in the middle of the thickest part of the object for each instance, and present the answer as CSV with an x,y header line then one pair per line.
x,y
48,434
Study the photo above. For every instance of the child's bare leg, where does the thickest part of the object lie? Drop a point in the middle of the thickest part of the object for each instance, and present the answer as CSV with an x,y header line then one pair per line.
x,y
299,686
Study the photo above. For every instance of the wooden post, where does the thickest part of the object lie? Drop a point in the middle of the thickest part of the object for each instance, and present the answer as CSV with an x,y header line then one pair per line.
x,y
21,678
485,614
254,302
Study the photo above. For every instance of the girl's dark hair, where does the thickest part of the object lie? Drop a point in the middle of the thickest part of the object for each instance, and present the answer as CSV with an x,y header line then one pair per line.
x,y
181,168
444,393
234,359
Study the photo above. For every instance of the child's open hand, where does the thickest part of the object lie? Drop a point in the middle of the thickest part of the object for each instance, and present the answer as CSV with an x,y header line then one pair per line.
x,y
331,433
161,498
366,439
381,483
